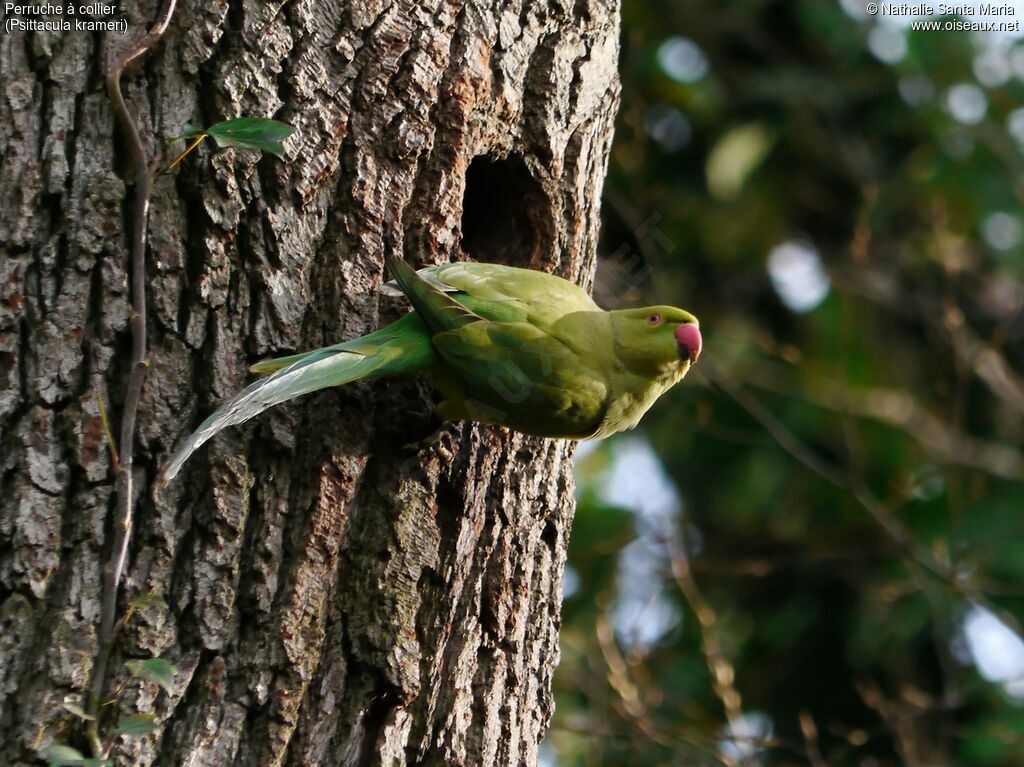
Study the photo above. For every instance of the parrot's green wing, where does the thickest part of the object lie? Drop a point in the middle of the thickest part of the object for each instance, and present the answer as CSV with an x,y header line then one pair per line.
x,y
496,282
438,310
517,375
544,297
507,293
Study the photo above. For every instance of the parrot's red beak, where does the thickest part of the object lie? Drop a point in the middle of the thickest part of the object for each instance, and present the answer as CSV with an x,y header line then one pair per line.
x,y
689,340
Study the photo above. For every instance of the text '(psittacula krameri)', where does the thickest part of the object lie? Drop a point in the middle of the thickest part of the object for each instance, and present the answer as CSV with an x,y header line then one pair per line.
x,y
506,346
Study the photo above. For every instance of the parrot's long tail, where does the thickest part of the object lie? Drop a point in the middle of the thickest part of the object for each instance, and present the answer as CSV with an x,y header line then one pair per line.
x,y
403,346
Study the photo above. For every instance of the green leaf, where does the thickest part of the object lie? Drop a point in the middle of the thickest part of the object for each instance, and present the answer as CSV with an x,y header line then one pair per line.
x,y
191,129
74,705
149,599
58,755
252,133
136,725
64,756
155,670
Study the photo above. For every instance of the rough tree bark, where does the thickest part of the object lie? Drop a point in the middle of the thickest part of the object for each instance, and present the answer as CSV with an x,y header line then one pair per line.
x,y
342,590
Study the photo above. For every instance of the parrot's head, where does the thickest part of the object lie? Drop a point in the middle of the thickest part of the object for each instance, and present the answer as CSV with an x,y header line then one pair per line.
x,y
656,340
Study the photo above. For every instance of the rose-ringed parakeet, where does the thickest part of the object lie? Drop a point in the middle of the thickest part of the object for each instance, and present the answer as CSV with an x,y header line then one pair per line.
x,y
506,346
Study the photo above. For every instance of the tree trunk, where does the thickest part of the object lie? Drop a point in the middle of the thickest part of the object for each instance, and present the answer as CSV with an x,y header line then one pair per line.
x,y
347,581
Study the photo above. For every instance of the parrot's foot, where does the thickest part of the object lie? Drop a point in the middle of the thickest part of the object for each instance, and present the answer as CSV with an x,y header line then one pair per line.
x,y
428,441
448,411
436,440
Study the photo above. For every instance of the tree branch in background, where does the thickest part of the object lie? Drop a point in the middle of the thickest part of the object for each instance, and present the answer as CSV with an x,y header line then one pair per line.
x,y
898,408
856,488
981,358
723,675
632,701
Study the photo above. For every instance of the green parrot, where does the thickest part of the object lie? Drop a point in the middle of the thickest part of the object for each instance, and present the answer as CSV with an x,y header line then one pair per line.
x,y
506,346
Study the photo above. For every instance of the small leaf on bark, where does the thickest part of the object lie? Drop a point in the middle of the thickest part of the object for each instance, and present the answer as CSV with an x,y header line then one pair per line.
x,y
156,670
136,725
252,133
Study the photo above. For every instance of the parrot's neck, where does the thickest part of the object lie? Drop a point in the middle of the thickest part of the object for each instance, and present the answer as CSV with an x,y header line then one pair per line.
x,y
633,395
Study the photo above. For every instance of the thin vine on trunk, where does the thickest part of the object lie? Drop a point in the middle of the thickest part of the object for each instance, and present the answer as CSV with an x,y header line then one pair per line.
x,y
143,178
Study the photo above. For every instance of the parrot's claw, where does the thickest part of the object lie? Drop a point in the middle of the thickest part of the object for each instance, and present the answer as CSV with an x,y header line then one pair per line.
x,y
422,444
440,439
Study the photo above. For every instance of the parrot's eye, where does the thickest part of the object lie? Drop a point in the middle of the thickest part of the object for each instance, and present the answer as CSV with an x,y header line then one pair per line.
x,y
654,319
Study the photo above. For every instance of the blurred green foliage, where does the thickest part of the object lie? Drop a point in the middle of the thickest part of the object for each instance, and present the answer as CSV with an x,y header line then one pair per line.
x,y
885,336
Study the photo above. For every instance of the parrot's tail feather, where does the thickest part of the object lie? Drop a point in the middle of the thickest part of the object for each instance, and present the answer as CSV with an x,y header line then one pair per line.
x,y
402,347
266,367
301,377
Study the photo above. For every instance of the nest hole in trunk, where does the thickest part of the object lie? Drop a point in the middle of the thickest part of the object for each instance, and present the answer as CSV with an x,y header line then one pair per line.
x,y
506,216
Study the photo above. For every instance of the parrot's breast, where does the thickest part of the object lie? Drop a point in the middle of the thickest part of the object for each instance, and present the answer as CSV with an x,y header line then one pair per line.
x,y
628,405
